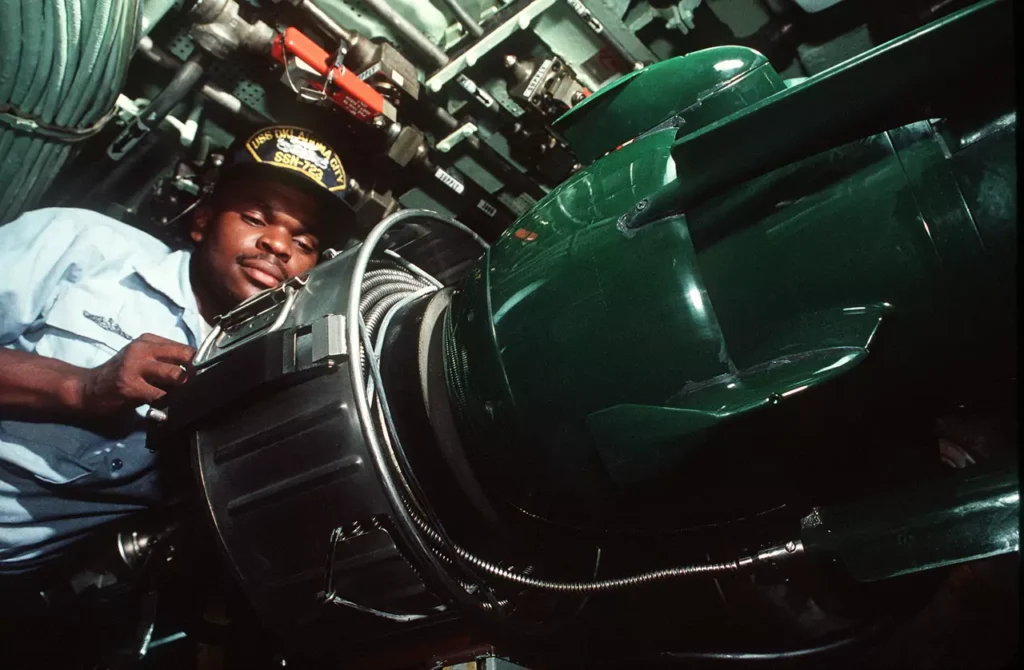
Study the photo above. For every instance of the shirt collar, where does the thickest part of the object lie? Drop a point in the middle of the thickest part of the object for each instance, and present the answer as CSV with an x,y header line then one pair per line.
x,y
170,276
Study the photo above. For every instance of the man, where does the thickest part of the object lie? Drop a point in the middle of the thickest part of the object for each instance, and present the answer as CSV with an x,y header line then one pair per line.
x,y
98,320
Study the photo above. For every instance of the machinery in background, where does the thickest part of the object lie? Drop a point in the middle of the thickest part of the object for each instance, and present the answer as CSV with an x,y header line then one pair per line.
x,y
672,355
680,410
429,98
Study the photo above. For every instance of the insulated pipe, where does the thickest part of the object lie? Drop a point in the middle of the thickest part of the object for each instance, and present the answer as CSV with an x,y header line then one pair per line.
x,y
408,32
463,17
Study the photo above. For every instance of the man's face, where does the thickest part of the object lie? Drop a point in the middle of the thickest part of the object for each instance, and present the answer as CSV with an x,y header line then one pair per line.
x,y
256,234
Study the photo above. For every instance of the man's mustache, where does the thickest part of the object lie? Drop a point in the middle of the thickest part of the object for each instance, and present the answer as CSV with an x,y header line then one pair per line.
x,y
269,258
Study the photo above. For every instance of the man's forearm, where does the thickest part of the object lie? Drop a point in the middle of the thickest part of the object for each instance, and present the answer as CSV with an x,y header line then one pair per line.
x,y
33,382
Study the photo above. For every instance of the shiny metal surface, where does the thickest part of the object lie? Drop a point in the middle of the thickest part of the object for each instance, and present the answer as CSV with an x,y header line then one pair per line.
x,y
692,91
584,362
972,514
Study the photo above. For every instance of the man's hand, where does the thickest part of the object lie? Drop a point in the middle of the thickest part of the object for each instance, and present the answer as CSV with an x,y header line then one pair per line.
x,y
139,374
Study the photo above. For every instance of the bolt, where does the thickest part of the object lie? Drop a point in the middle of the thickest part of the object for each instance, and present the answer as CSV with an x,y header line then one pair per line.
x,y
116,464
510,60
791,547
378,122
578,97
642,205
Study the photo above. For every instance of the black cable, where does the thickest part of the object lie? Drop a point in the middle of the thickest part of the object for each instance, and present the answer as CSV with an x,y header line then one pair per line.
x,y
177,89
181,85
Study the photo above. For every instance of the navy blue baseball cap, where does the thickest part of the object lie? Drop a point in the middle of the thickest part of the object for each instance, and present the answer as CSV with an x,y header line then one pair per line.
x,y
295,156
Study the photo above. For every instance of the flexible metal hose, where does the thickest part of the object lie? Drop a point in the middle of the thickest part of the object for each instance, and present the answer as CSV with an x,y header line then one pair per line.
x,y
444,544
377,294
386,461
383,277
706,569
376,313
355,332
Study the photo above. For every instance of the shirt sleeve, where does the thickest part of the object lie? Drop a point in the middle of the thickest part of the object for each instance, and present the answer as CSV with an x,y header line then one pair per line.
x,y
37,251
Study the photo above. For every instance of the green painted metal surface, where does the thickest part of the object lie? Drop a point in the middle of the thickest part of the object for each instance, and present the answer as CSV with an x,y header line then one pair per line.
x,y
968,515
688,92
585,361
918,75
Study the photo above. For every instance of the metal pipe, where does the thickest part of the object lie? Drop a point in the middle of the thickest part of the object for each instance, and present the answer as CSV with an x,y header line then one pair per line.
x,y
463,17
408,32
328,24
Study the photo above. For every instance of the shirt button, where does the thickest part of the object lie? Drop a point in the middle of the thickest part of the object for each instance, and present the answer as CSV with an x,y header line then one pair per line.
x,y
116,464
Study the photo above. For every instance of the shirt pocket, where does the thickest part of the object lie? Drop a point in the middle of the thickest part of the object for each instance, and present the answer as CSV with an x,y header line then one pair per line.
x,y
84,328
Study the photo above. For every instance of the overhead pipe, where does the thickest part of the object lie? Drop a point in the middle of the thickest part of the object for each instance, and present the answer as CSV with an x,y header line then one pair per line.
x,y
409,32
326,23
463,17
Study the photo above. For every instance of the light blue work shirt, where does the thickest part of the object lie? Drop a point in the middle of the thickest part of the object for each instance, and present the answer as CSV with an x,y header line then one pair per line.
x,y
78,286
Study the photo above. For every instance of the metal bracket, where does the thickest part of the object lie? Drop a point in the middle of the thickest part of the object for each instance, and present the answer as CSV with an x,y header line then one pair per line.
x,y
477,91
587,16
230,328
329,337
520,21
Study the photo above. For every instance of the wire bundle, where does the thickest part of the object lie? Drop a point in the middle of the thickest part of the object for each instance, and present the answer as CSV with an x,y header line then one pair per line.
x,y
62,64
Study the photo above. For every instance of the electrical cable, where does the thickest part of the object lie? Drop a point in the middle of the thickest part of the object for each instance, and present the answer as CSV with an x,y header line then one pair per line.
x,y
415,543
415,269
62,65
404,471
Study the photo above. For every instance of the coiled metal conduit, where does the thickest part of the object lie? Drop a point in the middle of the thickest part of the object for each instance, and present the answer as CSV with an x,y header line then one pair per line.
x,y
429,552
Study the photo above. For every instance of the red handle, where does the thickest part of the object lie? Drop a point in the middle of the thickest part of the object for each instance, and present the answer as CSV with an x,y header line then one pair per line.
x,y
350,92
